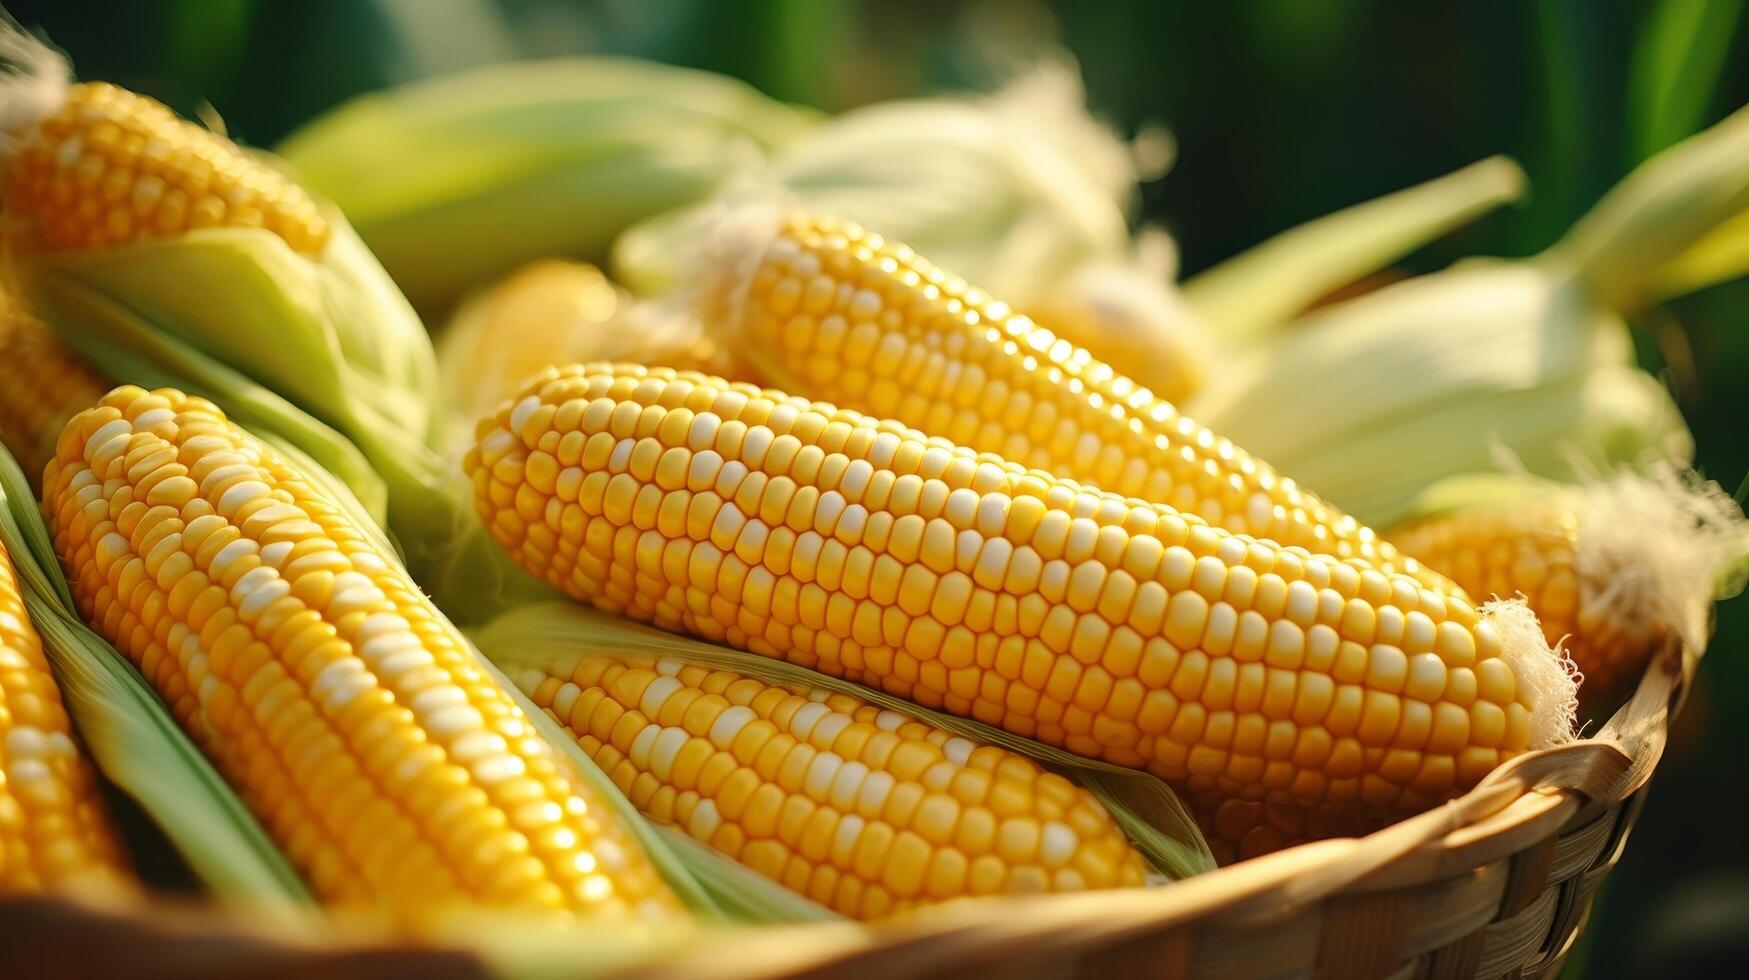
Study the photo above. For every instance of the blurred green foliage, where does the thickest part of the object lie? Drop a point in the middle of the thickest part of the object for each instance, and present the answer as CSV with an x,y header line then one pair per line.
x,y
1282,110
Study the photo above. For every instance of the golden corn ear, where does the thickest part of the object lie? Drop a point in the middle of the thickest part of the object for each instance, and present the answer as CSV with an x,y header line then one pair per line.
x,y
1113,627
864,810
1615,567
843,315
42,385
109,167
560,312
54,828
350,716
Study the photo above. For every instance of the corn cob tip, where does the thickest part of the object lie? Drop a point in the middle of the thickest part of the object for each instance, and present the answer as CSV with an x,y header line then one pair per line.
x,y
1548,672
1659,547
722,262
107,409
1614,566
34,79
93,165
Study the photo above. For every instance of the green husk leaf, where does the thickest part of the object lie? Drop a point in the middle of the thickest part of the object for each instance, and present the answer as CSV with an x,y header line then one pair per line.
x,y
321,353
1012,190
1678,55
456,180
1639,244
1718,256
329,333
1371,401
559,635
1247,297
125,346
131,734
1470,490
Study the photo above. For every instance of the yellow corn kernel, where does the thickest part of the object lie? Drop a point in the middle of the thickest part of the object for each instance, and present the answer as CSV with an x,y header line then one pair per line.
x,y
351,717
109,167
843,315
1238,830
42,385
815,785
969,529
54,827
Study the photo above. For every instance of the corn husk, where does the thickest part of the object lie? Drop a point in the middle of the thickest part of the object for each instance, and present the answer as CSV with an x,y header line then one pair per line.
x,y
1247,297
457,180
558,635
1011,190
320,354
132,736
1370,401
1679,222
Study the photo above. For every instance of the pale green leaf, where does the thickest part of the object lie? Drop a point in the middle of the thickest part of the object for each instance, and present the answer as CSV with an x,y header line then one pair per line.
x,y
1011,190
459,179
1678,56
1673,203
1248,296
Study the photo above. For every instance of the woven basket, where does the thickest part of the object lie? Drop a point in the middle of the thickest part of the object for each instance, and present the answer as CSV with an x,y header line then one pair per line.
x,y
1497,883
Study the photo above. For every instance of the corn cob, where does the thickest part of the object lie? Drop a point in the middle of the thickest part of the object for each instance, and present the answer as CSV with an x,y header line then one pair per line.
x,y
342,706
1614,569
1115,628
107,167
863,810
43,384
841,314
54,828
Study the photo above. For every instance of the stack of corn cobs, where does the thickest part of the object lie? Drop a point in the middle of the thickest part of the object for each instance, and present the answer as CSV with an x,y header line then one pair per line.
x,y
815,580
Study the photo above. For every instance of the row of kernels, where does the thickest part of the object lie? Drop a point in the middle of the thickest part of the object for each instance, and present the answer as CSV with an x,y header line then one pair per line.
x,y
345,711
955,362
53,826
111,167
791,781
